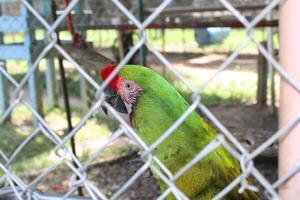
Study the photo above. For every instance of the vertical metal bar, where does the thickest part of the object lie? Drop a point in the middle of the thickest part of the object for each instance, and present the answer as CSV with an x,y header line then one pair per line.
x,y
66,98
183,40
120,46
51,83
143,49
45,7
289,145
290,62
262,78
270,48
4,93
163,36
84,93
33,81
84,90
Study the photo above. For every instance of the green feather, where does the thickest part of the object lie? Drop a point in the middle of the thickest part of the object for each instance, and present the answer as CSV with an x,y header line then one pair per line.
x,y
159,106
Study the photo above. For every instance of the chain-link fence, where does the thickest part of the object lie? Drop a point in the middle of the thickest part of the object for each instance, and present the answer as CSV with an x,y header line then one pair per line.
x,y
16,188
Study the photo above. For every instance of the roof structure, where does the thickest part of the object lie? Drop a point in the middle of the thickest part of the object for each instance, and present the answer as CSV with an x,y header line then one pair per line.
x,y
179,14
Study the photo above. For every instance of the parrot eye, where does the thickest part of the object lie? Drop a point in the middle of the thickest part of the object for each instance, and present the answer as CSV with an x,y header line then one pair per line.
x,y
128,86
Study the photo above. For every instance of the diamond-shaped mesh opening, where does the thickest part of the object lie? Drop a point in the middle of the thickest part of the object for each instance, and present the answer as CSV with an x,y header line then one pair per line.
x,y
94,138
108,174
37,153
57,181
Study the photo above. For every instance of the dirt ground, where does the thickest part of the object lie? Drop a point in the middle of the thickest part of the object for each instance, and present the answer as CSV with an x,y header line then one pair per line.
x,y
251,124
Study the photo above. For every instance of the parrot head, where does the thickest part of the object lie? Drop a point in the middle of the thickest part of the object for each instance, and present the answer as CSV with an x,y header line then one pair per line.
x,y
121,94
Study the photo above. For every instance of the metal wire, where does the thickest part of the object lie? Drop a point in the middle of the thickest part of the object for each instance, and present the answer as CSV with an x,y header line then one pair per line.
x,y
20,189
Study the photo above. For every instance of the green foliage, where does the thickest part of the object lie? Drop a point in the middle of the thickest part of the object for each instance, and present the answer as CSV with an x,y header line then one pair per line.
x,y
39,153
229,87
103,38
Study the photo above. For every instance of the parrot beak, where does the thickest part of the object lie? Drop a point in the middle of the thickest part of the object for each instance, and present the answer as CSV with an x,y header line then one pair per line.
x,y
104,110
115,100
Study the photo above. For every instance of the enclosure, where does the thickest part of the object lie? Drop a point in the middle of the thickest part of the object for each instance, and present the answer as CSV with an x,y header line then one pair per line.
x,y
222,56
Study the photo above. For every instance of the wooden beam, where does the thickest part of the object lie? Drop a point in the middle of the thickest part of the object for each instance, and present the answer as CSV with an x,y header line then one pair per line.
x,y
190,9
34,86
89,57
51,83
189,24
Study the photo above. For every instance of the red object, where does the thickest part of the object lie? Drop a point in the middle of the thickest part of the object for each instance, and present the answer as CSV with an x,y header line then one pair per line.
x,y
69,19
78,40
106,71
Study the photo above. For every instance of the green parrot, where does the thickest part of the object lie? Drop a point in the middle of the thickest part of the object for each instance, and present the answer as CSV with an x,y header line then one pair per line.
x,y
153,105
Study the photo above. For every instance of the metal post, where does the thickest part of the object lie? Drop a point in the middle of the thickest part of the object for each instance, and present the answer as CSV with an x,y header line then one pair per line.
x,y
33,82
262,78
51,83
84,89
143,50
50,71
271,70
121,50
270,48
289,146
183,40
163,37
4,93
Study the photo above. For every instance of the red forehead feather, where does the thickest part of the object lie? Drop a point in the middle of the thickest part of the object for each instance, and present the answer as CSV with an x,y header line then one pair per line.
x,y
106,71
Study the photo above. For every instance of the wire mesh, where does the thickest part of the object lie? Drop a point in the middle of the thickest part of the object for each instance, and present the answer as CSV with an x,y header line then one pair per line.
x,y
18,189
